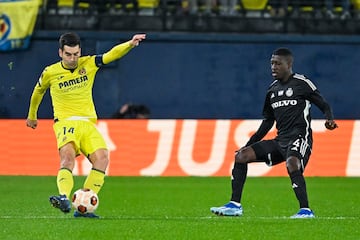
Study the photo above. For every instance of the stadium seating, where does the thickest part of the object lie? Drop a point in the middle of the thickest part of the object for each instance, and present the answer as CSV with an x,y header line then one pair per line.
x,y
65,3
254,5
356,4
88,6
148,7
149,3
254,8
59,6
173,15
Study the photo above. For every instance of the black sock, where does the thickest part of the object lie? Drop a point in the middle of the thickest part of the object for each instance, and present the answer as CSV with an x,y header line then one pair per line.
x,y
299,187
239,174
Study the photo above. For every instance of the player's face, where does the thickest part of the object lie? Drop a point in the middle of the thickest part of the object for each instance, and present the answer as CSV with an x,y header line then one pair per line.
x,y
280,67
70,56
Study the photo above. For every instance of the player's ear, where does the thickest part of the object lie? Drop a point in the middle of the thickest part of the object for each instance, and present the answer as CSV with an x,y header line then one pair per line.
x,y
289,63
290,66
60,52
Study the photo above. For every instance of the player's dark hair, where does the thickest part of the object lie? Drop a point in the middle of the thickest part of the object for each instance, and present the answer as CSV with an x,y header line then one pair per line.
x,y
69,39
283,52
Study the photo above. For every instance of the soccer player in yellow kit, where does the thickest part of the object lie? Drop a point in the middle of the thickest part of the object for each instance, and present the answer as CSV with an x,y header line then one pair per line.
x,y
70,82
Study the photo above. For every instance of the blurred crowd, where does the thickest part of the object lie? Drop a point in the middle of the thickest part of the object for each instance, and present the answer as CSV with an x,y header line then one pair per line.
x,y
333,9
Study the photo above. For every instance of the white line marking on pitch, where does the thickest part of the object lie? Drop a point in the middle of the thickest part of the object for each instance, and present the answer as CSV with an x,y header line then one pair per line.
x,y
179,217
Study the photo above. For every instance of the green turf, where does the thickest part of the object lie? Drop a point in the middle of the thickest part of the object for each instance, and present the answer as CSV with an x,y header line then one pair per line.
x,y
178,208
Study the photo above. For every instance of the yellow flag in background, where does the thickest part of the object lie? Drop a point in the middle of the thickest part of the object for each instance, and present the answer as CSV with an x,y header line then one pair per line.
x,y
17,21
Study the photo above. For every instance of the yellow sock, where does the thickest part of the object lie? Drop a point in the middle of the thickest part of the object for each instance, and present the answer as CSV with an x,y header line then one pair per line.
x,y
94,180
65,182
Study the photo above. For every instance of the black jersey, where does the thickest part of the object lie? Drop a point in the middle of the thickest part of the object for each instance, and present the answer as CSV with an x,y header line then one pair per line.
x,y
288,104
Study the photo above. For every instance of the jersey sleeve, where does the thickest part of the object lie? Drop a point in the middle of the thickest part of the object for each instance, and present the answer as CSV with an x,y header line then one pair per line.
x,y
266,124
315,97
99,60
116,52
37,95
268,112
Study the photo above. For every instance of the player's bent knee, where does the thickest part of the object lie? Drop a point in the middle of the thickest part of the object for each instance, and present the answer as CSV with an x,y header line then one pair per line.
x,y
67,162
100,160
244,155
293,164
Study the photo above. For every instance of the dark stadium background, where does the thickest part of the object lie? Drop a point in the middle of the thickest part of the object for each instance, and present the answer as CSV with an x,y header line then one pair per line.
x,y
216,67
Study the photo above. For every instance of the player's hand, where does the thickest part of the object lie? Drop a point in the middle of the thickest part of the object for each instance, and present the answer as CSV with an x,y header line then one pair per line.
x,y
31,123
330,124
136,39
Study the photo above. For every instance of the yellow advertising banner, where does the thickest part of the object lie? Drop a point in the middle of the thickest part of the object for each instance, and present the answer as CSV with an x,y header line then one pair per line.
x,y
17,22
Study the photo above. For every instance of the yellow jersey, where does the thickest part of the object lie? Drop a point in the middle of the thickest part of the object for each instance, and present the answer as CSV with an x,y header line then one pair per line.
x,y
71,89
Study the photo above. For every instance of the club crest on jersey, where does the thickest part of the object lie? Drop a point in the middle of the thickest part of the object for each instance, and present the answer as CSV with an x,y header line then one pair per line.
x,y
289,92
82,71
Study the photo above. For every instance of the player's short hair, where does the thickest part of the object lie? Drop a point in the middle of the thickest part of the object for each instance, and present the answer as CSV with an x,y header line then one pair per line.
x,y
284,52
69,39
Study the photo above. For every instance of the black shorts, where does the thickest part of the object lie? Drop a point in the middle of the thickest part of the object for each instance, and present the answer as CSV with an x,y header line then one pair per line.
x,y
272,152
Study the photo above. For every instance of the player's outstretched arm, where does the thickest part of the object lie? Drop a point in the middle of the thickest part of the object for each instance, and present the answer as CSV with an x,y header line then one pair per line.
x,y
121,49
36,98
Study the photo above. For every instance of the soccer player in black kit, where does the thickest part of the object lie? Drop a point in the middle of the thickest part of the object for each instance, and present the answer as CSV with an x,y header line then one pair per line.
x,y
287,103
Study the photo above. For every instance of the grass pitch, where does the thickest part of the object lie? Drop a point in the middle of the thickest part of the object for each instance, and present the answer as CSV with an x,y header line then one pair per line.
x,y
178,208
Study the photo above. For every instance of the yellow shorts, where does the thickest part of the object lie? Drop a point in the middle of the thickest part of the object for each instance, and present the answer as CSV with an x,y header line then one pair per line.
x,y
84,134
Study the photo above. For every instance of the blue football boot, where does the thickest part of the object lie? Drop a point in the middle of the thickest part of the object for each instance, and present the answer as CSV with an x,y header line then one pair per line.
x,y
229,209
86,215
304,213
61,202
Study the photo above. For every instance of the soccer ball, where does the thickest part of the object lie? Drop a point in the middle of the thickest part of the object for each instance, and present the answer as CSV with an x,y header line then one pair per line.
x,y
85,201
